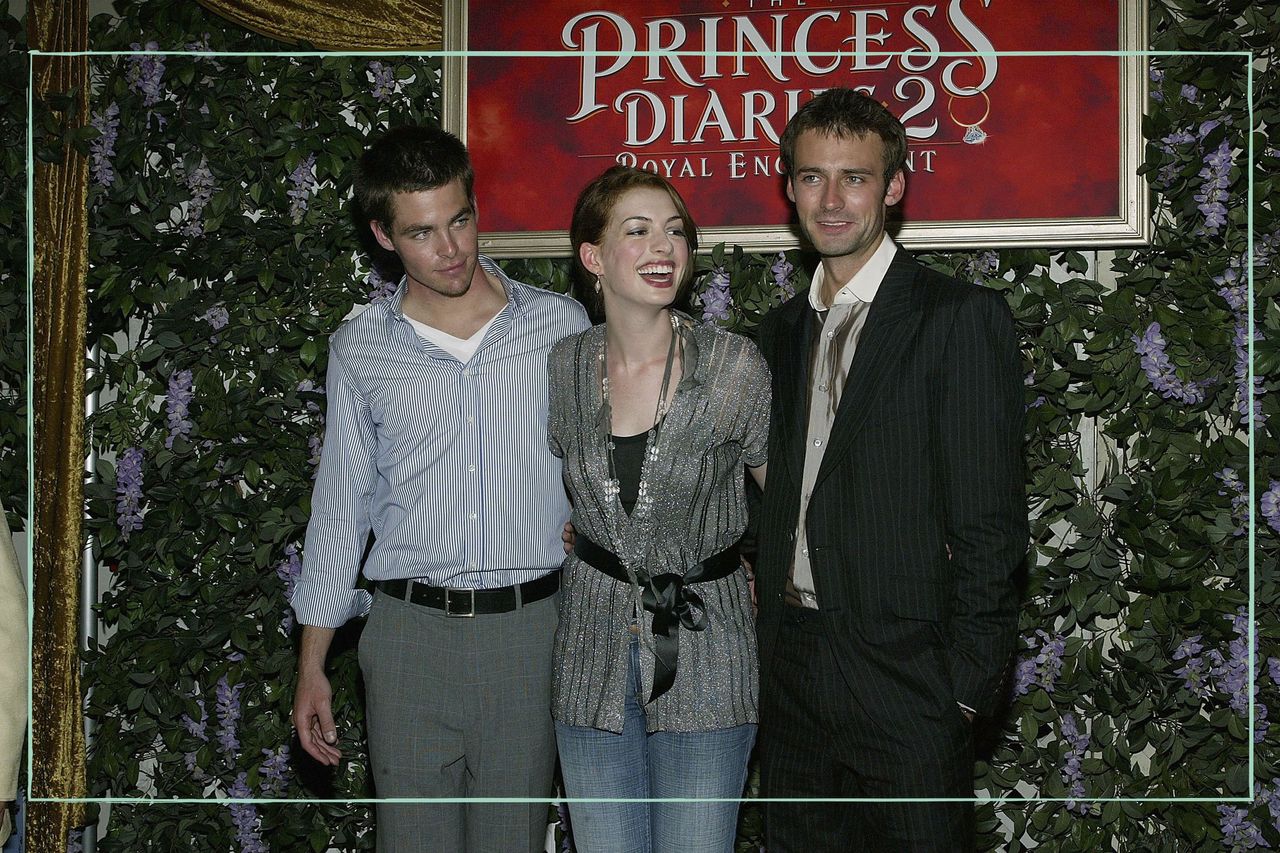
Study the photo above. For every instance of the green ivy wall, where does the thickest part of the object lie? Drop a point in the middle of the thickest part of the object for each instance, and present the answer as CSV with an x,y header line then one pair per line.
x,y
13,270
222,257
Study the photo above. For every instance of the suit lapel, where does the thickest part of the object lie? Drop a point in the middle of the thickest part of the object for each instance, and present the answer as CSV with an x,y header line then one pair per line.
x,y
794,333
891,324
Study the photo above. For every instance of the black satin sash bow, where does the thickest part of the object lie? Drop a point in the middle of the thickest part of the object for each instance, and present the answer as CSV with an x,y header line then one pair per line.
x,y
668,597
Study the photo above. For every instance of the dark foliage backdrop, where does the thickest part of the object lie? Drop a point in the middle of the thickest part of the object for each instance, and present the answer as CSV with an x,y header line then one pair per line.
x,y
13,269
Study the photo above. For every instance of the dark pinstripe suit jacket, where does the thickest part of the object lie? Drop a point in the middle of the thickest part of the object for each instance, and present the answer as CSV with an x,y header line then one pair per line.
x,y
925,453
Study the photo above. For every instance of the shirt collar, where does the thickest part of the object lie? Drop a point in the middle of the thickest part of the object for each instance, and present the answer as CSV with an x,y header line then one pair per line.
x,y
515,298
865,282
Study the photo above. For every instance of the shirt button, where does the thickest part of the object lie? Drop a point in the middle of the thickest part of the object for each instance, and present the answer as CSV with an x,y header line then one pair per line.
x,y
822,387
474,516
471,468
831,334
471,419
817,442
804,551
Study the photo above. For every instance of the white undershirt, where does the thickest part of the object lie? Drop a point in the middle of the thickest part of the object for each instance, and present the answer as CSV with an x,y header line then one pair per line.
x,y
460,348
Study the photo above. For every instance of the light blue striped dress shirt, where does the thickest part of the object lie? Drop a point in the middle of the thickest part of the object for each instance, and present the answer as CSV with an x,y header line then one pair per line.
x,y
447,463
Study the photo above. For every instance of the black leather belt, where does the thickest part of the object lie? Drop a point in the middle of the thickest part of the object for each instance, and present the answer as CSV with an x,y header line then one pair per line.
x,y
668,597
469,602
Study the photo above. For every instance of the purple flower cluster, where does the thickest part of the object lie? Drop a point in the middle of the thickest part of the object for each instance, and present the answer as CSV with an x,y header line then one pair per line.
x,y
1234,290
716,299
1248,394
310,387
245,817
1072,772
1044,668
1269,505
1170,143
315,445
1190,93
103,148
274,770
1238,832
1024,676
1194,673
177,405
1270,797
1029,381
303,183
145,73
200,46
1231,485
1230,672
1159,369
197,729
1213,191
983,264
379,288
228,709
129,492
289,570
200,184
782,269
1266,248
1156,76
217,317
384,81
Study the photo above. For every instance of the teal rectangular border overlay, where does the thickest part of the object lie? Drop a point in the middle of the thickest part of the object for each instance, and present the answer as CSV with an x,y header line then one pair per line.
x,y
1252,425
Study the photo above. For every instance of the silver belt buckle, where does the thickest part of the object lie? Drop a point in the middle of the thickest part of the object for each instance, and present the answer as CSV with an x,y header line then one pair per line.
x,y
469,613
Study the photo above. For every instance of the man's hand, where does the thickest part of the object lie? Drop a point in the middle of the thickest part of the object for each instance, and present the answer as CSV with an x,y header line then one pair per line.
x,y
313,718
312,702
568,537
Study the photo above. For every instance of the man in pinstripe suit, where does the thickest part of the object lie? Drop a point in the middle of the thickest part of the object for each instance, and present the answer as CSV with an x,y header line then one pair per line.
x,y
436,441
895,513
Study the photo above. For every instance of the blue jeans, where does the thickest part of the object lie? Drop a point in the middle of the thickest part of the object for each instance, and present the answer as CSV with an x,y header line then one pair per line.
x,y
636,765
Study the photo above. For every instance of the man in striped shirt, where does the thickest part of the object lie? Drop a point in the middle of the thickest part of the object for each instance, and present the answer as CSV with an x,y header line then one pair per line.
x,y
436,442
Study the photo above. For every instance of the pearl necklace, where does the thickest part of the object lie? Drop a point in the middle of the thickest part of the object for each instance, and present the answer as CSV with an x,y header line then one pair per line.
x,y
612,487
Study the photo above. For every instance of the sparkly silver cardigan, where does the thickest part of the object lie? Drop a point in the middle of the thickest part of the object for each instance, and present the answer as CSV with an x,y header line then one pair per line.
x,y
719,420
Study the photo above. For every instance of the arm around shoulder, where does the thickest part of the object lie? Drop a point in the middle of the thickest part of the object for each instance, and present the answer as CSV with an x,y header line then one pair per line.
x,y
753,384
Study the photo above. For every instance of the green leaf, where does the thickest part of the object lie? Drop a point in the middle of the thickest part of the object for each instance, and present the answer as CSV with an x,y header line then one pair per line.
x,y
309,351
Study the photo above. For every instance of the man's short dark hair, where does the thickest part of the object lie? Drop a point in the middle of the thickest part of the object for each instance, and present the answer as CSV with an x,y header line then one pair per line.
x,y
847,113
409,160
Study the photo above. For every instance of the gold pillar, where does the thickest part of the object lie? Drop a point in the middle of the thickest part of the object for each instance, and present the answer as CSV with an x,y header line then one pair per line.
x,y
61,262
340,24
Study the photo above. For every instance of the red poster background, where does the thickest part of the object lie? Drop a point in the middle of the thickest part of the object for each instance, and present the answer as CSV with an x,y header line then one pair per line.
x,y
1052,129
